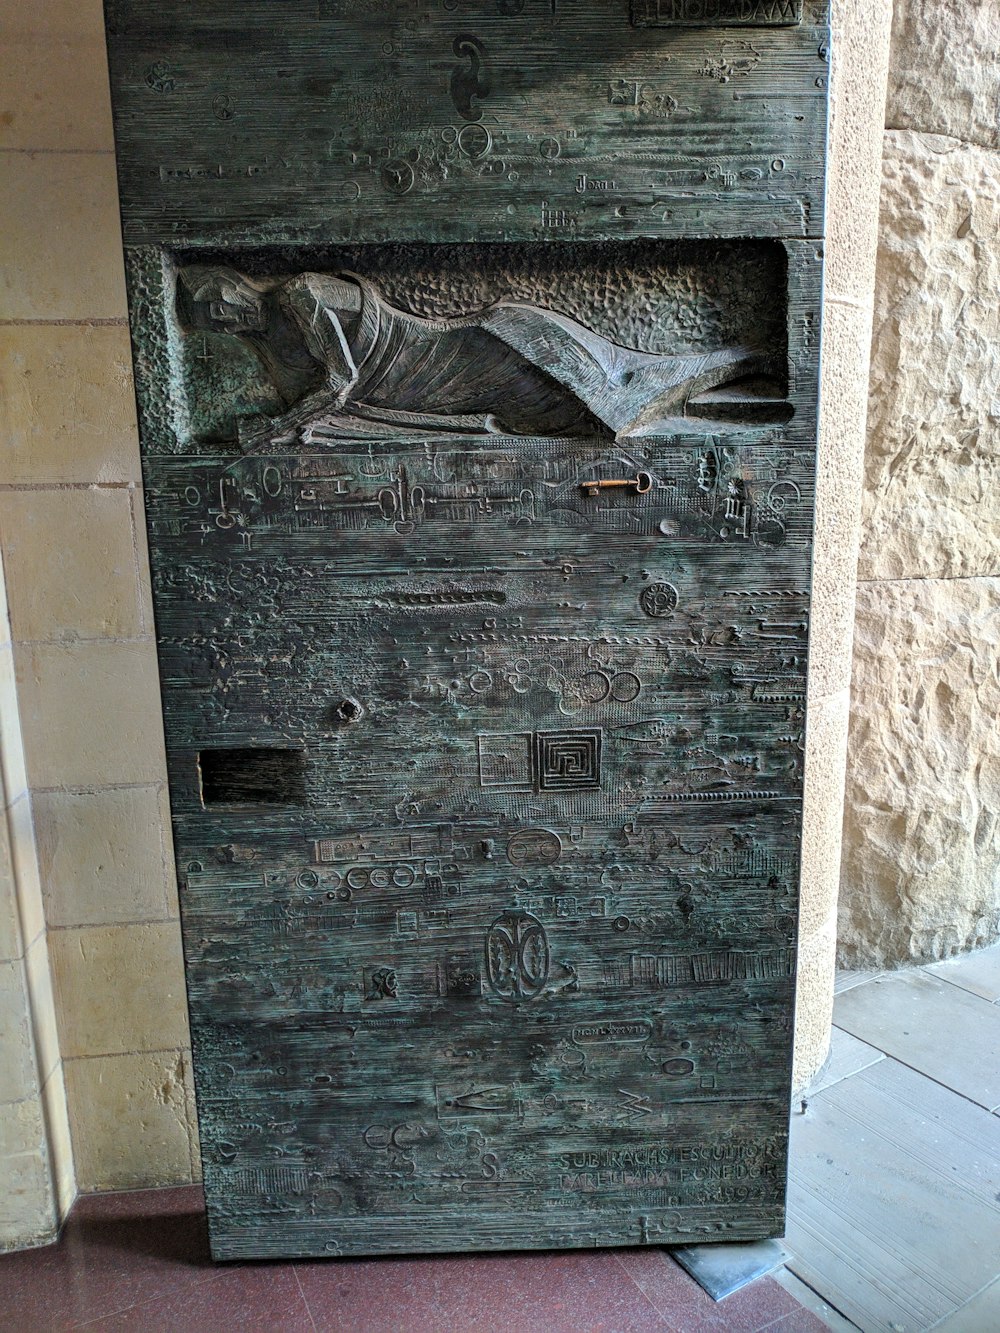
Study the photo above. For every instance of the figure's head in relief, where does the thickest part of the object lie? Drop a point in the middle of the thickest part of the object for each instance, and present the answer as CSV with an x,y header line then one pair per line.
x,y
216,298
221,300
296,327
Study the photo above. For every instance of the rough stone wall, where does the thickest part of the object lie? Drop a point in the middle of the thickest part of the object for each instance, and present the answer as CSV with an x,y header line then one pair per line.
x,y
921,867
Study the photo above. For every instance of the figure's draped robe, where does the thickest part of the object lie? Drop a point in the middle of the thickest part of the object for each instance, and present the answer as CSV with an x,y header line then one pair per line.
x,y
483,373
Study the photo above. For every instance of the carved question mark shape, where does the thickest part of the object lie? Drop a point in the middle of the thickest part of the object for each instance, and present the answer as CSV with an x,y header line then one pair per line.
x,y
471,83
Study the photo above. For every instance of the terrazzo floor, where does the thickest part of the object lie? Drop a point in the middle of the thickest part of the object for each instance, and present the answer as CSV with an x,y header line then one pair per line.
x,y
893,1219
140,1262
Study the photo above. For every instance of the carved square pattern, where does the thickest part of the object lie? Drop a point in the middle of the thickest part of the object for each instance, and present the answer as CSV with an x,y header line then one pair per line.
x,y
505,761
568,760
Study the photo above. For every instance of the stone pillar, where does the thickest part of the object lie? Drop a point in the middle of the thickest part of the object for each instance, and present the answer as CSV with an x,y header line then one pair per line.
x,y
921,873
860,64
93,772
36,1161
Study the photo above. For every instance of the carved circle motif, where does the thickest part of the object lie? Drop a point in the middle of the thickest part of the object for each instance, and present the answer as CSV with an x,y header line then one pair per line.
x,y
678,1068
475,141
770,531
594,687
625,687
381,877
536,846
517,956
658,599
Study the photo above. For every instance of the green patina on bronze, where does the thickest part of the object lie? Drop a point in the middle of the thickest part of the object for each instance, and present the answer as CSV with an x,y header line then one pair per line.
x,y
476,352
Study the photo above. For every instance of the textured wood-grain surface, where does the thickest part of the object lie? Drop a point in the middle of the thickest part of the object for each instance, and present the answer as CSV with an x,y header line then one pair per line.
x,y
476,351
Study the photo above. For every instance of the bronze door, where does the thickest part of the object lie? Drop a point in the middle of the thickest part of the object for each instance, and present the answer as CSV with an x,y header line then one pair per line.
x,y
479,448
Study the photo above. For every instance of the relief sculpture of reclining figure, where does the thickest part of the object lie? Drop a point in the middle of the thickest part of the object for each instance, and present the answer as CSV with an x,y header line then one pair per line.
x,y
339,355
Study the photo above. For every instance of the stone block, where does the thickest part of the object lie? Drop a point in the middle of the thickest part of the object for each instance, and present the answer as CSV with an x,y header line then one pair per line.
x,y
142,552
27,1202
192,1121
4,619
840,472
43,1010
71,563
90,714
921,865
933,460
60,245
80,19
20,826
15,778
169,864
119,989
10,928
860,59
60,1144
943,77
813,1007
67,410
18,1073
822,818
101,856
55,92
128,1120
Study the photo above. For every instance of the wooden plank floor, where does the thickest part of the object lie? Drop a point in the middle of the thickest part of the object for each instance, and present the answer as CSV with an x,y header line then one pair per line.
x,y
894,1191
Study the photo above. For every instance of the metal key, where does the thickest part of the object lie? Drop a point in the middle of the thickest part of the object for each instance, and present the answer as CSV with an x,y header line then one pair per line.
x,y
642,482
